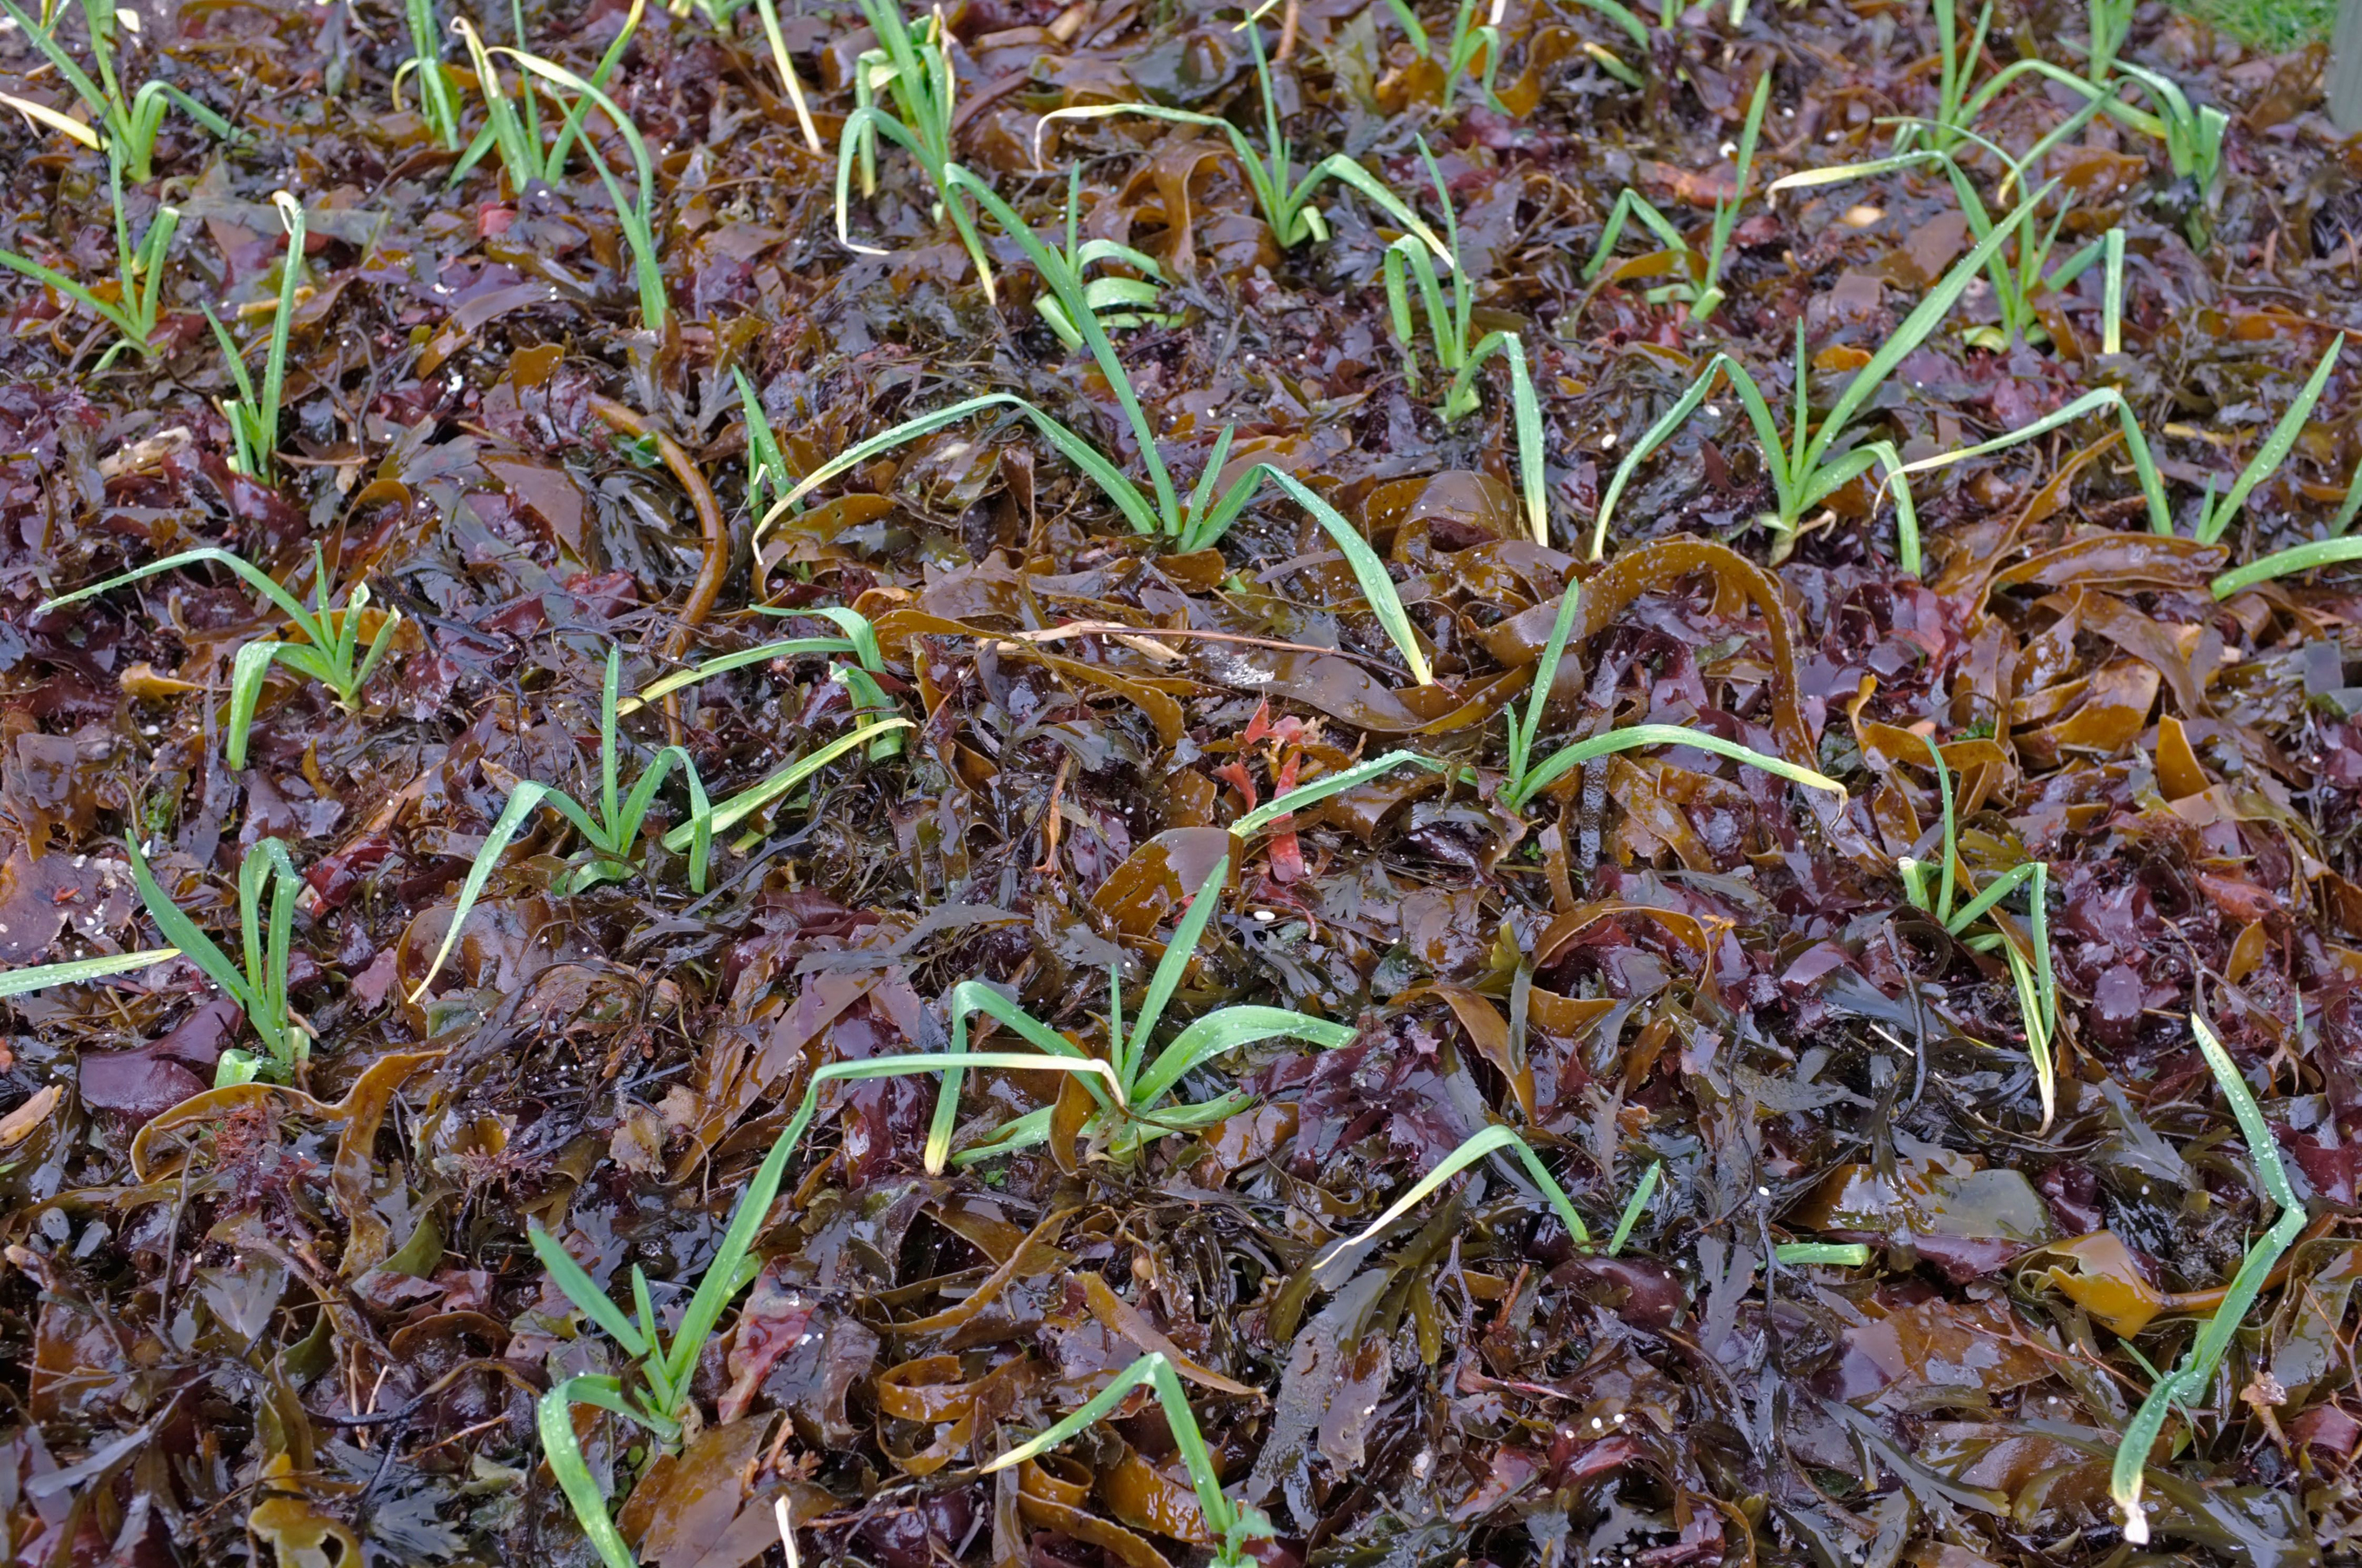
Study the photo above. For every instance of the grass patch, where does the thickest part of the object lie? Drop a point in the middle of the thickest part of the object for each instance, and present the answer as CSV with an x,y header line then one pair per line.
x,y
2275,25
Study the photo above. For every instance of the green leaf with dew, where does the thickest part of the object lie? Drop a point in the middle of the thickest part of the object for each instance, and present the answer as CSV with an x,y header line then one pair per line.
x,y
554,1421
2273,452
78,971
2285,563
1332,784
1569,757
1491,1140
729,814
1635,1206
2187,1383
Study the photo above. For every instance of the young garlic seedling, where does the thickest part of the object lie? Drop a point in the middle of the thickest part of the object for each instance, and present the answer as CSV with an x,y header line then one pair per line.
x,y
859,679
2038,989
913,70
1468,37
1194,523
1448,332
1703,290
2215,513
254,419
512,128
130,124
1527,779
1126,1114
1232,1525
132,305
611,836
2187,1386
1286,201
330,652
661,1399
1810,467
1117,301
258,986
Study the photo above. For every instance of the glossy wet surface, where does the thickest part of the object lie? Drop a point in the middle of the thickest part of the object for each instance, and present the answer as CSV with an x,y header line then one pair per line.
x,y
306,1323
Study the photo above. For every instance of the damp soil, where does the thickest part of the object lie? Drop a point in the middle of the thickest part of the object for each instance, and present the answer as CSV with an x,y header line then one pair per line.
x,y
303,1325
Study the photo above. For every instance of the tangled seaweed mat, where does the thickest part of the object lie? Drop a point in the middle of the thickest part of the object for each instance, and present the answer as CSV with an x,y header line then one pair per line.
x,y
305,1323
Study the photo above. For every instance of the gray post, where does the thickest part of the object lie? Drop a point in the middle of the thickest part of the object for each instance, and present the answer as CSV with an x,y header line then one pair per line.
x,y
2346,69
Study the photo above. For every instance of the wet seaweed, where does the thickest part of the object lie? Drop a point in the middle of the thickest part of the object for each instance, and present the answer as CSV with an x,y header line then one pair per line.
x,y
839,784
